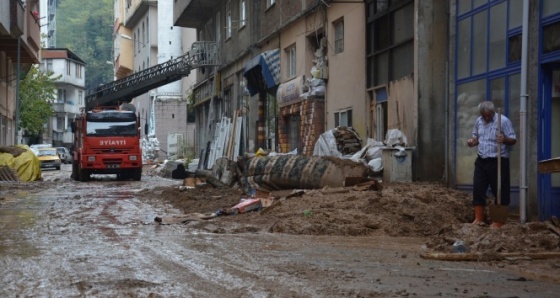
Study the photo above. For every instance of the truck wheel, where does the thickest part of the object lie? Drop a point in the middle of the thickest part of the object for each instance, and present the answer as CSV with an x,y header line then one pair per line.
x,y
83,174
137,174
75,171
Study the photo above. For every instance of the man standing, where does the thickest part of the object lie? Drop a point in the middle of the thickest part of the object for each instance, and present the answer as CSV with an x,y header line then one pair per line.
x,y
485,135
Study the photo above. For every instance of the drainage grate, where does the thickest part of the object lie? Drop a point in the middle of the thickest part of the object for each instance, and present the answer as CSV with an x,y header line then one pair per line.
x,y
8,174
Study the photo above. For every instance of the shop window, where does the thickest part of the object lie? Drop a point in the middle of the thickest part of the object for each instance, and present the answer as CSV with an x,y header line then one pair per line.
x,y
343,118
488,36
294,135
551,36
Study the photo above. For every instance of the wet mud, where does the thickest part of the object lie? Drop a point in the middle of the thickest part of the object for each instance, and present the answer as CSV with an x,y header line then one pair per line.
x,y
62,238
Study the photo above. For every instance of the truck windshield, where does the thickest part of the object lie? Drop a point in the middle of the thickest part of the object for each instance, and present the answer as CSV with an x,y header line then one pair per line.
x,y
112,128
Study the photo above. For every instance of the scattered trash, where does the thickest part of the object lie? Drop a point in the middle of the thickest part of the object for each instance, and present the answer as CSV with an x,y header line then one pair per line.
x,y
247,205
459,247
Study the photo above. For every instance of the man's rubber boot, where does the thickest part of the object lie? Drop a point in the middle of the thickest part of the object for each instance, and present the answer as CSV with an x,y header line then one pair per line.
x,y
478,215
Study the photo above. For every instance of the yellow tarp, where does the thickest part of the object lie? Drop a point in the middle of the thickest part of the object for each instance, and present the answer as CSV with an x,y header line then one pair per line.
x,y
25,164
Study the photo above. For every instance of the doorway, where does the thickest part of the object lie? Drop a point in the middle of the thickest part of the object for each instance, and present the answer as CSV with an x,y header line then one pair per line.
x,y
549,141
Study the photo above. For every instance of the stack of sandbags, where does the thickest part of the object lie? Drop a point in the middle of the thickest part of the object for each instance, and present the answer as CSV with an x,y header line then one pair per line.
x,y
347,140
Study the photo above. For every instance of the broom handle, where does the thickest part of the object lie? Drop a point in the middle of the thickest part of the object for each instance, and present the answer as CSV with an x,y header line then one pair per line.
x,y
499,192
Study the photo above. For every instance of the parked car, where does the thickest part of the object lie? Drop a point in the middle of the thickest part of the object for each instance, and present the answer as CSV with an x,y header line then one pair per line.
x,y
65,155
35,147
48,157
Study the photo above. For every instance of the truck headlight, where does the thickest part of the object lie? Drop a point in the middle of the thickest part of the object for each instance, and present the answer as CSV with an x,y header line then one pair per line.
x,y
91,158
132,157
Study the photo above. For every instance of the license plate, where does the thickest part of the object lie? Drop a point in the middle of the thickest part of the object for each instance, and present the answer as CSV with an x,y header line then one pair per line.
x,y
113,166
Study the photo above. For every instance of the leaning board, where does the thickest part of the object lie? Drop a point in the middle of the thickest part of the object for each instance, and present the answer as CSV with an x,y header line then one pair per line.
x,y
549,166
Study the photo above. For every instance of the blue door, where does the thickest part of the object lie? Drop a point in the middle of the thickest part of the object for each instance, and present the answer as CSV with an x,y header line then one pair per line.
x,y
549,140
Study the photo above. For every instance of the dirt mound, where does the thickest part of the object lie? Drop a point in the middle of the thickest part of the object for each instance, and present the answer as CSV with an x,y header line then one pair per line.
x,y
429,210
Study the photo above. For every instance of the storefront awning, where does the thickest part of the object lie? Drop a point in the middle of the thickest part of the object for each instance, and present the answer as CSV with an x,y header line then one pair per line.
x,y
263,71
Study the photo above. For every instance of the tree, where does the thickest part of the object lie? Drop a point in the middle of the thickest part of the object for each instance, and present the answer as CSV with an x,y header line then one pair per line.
x,y
36,94
86,29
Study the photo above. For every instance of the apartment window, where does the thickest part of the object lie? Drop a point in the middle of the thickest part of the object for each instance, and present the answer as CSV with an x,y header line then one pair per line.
x,y
80,98
143,35
79,69
339,37
3,133
291,62
242,14
269,3
228,19
61,96
67,67
343,118
49,65
59,123
390,41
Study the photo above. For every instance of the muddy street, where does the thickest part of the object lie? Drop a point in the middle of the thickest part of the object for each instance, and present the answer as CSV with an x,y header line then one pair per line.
x,y
62,238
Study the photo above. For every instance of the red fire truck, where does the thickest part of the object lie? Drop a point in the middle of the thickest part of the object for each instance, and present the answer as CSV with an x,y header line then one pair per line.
x,y
107,141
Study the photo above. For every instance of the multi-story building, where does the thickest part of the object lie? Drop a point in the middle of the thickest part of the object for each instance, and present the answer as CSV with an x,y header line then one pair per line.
x,y
70,93
19,49
48,22
418,66
144,36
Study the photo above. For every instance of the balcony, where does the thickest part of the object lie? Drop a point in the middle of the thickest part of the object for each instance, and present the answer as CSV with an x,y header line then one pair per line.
x,y
65,108
194,13
16,24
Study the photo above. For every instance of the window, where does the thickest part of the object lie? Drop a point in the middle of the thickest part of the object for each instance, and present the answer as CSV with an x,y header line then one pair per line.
x,y
228,19
488,54
390,41
339,37
68,67
143,35
489,39
80,98
60,123
269,3
242,14
79,71
343,118
49,65
61,96
291,62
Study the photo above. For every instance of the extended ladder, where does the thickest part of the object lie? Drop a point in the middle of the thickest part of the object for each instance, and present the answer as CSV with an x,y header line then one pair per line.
x,y
201,54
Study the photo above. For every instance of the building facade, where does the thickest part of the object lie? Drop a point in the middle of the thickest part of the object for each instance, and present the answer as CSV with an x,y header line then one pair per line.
x,y
489,63
19,49
144,36
70,93
420,67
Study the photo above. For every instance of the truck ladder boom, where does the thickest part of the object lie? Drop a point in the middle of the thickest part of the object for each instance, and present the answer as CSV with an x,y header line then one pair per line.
x,y
202,53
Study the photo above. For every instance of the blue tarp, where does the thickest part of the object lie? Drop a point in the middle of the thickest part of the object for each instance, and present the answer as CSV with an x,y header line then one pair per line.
x,y
263,71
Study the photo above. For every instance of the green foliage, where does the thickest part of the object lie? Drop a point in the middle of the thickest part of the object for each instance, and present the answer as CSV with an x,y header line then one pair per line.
x,y
86,28
36,93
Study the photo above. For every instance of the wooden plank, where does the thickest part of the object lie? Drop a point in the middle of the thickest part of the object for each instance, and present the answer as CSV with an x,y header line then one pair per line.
x,y
237,138
549,166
